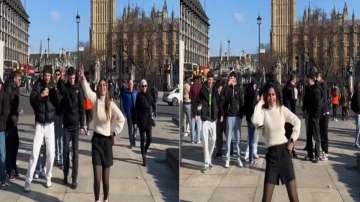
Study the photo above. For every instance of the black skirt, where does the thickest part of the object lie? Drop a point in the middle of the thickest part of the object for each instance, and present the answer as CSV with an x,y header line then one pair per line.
x,y
102,150
279,165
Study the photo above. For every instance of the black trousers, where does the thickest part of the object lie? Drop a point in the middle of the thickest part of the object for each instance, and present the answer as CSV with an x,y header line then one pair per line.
x,y
324,124
12,146
145,140
71,135
314,132
219,137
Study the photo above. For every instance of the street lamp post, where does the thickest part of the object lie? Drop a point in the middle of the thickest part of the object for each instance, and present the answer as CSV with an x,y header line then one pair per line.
x,y
48,50
78,44
259,23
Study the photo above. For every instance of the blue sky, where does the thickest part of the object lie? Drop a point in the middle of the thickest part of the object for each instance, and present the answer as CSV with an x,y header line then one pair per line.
x,y
56,19
235,20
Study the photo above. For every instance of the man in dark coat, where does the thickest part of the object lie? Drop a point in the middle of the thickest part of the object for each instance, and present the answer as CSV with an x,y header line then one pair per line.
x,y
72,105
12,140
312,106
209,113
4,112
44,100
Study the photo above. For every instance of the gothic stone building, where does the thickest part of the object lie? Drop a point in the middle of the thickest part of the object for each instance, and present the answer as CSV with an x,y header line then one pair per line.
x,y
147,46
14,30
330,44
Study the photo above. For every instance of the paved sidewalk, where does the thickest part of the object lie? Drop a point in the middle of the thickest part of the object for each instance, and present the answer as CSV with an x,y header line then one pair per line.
x,y
332,181
129,180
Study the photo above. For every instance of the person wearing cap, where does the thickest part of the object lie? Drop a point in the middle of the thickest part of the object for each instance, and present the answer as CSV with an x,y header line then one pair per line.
x,y
312,107
209,113
43,99
145,107
72,101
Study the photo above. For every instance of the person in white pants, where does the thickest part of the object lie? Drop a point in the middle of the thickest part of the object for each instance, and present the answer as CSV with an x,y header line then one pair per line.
x,y
44,100
209,113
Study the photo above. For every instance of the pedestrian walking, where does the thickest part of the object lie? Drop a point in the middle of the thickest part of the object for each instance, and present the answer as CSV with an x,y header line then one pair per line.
x,y
196,123
12,136
324,118
4,112
335,101
128,98
312,106
233,106
59,129
43,99
107,122
355,107
72,106
220,124
187,108
145,112
209,112
251,98
272,116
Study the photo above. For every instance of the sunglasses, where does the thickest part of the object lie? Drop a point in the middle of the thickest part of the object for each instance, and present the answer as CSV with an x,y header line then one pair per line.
x,y
144,86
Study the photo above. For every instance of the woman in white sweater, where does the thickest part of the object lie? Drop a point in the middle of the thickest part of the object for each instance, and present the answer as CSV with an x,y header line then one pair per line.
x,y
272,116
107,122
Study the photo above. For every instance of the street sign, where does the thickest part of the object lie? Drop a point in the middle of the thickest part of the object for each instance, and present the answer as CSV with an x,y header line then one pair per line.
x,y
262,50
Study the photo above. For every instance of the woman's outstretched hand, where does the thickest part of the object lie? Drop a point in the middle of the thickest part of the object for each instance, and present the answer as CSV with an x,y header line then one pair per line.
x,y
81,73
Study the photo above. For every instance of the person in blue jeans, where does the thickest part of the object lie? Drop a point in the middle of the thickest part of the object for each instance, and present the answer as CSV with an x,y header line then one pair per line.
x,y
59,129
233,104
4,112
128,98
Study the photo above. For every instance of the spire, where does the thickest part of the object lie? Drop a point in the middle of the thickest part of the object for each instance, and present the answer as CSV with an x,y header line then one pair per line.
x,y
345,11
165,5
220,53
353,17
309,9
305,15
333,13
172,15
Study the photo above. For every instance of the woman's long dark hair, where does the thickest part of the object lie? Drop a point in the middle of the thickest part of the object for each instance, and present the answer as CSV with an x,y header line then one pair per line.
x,y
107,97
266,89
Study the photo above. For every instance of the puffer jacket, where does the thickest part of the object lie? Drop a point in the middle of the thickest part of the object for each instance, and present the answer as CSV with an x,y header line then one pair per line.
x,y
44,108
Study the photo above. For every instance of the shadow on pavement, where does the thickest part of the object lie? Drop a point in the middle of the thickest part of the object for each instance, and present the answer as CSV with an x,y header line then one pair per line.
x,y
33,195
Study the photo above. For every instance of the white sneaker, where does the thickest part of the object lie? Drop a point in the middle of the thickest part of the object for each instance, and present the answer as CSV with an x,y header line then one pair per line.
x,y
240,164
227,163
256,156
27,187
48,183
36,176
186,134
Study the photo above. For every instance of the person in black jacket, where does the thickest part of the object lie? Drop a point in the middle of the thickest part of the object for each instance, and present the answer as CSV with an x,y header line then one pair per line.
x,y
72,102
145,111
12,138
355,106
312,106
58,124
209,114
233,105
324,118
43,99
220,126
289,100
4,112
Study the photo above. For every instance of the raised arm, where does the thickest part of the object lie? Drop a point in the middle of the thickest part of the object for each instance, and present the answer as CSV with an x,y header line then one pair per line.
x,y
87,90
258,116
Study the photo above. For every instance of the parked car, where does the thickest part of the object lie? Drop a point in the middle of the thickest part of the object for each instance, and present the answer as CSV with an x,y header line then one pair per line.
x,y
172,97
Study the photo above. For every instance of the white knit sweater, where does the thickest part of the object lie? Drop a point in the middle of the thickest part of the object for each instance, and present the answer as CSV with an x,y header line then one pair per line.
x,y
100,123
273,122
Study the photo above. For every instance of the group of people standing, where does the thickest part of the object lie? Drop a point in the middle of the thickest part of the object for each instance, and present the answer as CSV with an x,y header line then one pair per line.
x,y
65,106
214,110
